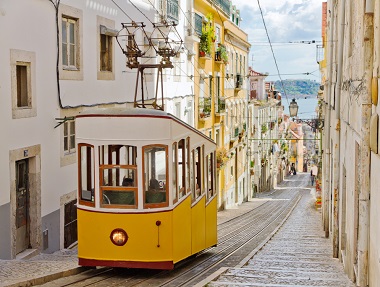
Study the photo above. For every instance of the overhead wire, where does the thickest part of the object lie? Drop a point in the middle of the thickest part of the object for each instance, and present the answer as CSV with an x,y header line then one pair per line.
x,y
274,57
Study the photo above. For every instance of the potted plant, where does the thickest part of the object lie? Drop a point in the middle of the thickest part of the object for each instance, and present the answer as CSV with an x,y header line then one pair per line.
x,y
264,128
207,37
221,156
204,46
221,53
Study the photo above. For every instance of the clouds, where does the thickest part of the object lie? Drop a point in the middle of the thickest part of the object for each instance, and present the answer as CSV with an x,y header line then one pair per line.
x,y
286,21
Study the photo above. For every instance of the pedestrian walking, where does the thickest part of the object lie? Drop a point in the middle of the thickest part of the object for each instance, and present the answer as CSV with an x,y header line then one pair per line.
x,y
312,177
313,173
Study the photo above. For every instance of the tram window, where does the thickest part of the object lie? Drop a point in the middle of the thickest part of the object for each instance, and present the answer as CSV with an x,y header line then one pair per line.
x,y
198,171
174,186
181,168
210,175
188,164
155,171
86,175
118,176
192,183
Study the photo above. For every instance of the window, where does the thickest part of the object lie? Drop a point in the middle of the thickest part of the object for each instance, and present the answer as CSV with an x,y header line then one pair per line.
x,y
210,175
198,171
23,99
177,69
86,175
174,172
155,176
69,43
105,53
181,155
118,176
22,65
217,34
106,48
210,86
69,137
71,39
217,87
169,10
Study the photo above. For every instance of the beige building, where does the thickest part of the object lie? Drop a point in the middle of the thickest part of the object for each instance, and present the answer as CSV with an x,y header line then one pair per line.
x,y
351,163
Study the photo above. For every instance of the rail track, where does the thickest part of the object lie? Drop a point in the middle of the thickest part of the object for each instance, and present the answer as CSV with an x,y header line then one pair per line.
x,y
237,238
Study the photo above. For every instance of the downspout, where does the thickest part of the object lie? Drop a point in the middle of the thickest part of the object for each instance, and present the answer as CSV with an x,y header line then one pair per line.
x,y
336,166
366,109
327,153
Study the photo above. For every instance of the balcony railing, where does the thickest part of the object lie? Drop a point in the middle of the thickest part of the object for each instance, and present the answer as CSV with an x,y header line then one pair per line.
x,y
220,105
224,5
204,107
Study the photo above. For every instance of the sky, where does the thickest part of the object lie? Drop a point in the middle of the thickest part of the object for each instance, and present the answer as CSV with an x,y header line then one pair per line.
x,y
286,21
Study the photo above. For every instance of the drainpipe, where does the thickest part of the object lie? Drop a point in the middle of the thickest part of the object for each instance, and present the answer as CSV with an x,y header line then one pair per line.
x,y
338,87
326,185
366,109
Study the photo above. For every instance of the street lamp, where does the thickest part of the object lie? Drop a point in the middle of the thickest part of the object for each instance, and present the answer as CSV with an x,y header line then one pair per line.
x,y
293,108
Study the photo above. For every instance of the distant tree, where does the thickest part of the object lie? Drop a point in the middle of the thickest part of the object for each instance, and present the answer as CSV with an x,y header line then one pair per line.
x,y
298,88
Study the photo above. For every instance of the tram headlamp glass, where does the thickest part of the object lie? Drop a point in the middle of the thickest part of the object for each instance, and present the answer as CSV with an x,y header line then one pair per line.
x,y
119,237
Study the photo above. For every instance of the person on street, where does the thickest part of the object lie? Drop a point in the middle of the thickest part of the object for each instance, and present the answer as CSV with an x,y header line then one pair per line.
x,y
313,173
293,169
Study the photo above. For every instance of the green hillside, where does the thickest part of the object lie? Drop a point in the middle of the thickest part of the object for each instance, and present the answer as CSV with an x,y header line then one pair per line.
x,y
298,88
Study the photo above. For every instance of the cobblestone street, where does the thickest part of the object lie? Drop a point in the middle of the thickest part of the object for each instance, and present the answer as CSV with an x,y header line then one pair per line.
x,y
297,255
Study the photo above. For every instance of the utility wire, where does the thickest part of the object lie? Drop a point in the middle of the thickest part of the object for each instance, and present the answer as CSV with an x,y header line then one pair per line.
x,y
274,57
122,10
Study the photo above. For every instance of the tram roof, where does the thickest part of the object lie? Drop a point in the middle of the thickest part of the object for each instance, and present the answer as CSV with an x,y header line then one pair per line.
x,y
136,112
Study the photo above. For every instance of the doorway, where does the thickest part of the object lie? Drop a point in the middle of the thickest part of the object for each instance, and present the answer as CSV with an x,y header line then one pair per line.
x,y
70,232
22,206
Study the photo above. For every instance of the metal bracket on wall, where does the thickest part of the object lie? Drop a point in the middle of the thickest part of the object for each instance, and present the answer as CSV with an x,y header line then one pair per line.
x,y
63,120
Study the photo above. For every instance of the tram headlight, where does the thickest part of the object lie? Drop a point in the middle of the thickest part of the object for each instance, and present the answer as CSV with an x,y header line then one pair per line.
x,y
119,237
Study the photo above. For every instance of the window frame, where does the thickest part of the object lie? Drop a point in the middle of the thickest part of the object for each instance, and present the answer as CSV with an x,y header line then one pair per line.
x,y
27,59
174,174
71,147
71,72
70,20
105,75
144,188
107,53
132,165
103,187
80,200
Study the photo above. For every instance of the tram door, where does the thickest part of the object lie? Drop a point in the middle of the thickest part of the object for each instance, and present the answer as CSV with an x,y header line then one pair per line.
x,y
22,206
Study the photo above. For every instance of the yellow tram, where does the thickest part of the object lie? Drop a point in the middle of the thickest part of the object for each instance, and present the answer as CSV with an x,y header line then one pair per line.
x,y
146,189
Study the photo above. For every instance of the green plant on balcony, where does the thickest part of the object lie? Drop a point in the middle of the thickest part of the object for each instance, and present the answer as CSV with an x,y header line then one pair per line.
x,y
264,128
284,147
221,53
207,37
204,107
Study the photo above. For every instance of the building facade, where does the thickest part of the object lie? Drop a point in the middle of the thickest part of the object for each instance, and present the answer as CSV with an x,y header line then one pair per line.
x,y
53,68
349,102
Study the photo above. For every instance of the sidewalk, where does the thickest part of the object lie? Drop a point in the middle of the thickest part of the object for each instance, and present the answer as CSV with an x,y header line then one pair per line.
x,y
47,267
297,255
